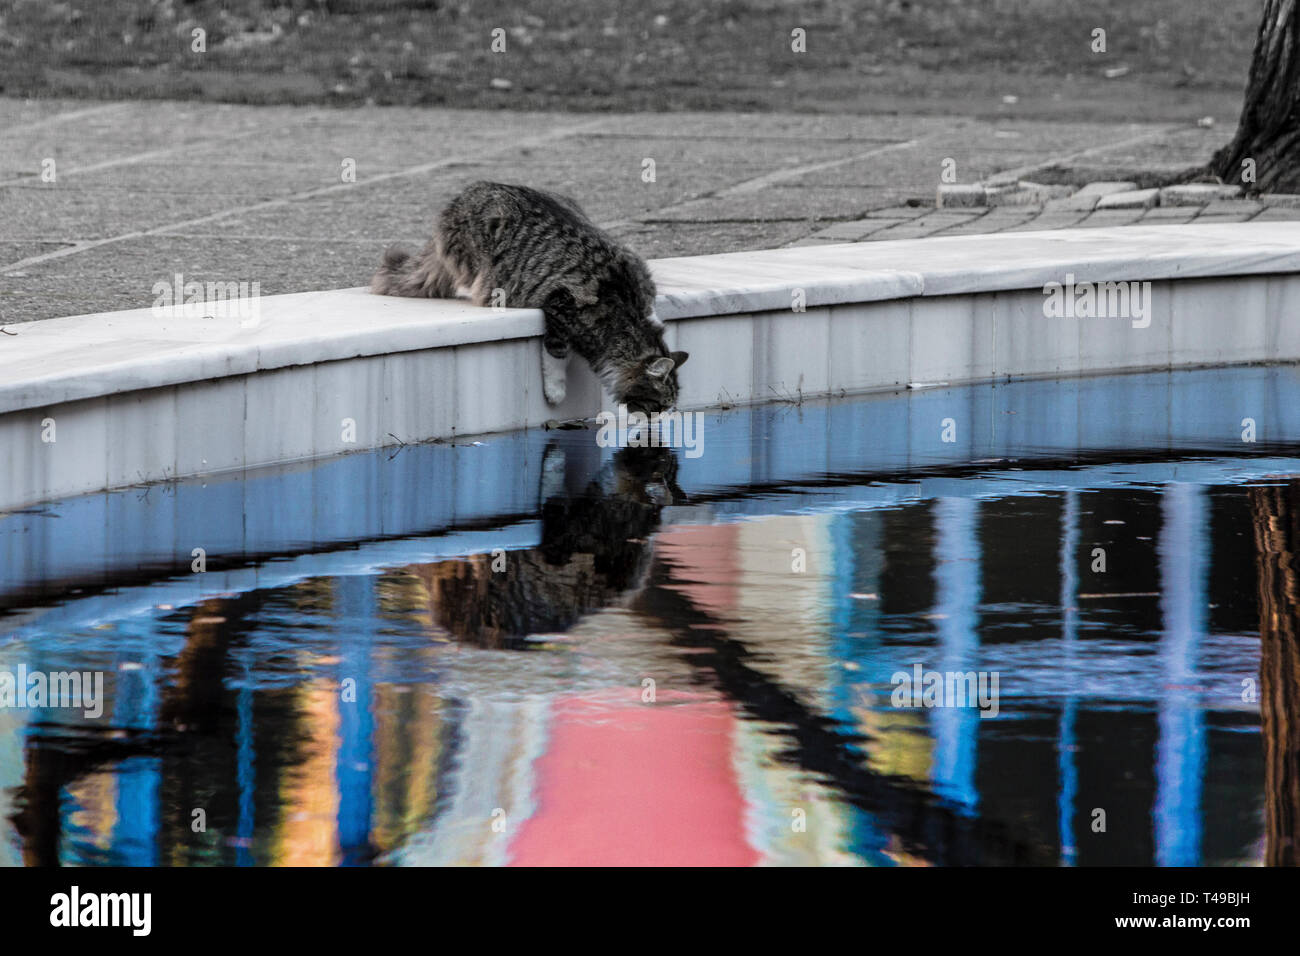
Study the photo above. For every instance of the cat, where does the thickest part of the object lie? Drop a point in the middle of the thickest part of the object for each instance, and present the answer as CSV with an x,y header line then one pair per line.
x,y
595,552
542,252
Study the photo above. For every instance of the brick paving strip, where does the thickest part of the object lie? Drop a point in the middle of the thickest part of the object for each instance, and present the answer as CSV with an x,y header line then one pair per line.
x,y
1008,203
145,190
908,222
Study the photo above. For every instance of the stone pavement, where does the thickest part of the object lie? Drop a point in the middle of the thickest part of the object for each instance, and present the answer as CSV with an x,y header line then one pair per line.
x,y
98,202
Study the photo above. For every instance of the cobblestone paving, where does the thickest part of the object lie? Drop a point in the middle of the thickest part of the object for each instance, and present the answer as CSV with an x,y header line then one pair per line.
x,y
906,222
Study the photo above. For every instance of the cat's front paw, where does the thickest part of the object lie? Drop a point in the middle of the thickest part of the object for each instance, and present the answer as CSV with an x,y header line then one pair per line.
x,y
554,391
554,378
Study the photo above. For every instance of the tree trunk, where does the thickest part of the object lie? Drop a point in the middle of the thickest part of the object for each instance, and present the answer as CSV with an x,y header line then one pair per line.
x,y
1276,512
1269,129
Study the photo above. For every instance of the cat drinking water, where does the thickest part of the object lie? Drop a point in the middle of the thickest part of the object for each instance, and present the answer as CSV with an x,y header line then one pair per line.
x,y
541,251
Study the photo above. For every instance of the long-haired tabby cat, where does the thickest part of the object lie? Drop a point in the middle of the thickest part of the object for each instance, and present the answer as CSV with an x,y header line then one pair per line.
x,y
543,252
595,552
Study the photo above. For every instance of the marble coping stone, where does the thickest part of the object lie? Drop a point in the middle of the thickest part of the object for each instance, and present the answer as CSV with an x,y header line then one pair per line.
x,y
53,361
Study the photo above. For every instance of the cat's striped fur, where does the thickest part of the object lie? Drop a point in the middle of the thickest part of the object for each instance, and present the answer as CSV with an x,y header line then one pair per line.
x,y
520,247
595,552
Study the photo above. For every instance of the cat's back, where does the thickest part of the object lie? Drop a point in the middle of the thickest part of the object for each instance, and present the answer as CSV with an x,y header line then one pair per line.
x,y
509,209
530,242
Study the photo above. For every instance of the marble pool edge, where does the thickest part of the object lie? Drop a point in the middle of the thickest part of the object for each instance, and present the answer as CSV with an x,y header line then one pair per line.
x,y
90,403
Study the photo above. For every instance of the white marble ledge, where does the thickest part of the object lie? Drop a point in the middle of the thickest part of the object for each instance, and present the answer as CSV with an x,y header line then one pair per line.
x,y
90,356
871,271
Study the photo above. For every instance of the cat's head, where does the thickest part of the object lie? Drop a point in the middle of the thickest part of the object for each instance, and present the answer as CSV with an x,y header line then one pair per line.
x,y
648,475
650,384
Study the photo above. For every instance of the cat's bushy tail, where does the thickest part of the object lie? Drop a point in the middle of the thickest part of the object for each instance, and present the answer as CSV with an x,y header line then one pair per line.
x,y
419,276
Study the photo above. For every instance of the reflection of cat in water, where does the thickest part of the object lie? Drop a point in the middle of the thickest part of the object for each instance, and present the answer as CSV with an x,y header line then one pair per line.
x,y
595,549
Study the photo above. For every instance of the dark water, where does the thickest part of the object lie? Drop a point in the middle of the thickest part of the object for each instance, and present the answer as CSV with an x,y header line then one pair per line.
x,y
639,659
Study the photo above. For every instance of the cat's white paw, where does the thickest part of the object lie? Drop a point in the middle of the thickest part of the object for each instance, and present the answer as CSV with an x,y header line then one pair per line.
x,y
554,377
552,472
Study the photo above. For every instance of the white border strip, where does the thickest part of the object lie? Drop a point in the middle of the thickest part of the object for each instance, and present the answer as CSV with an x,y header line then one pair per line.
x,y
91,356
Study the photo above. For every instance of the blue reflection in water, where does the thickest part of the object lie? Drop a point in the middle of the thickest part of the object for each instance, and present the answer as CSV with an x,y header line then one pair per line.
x,y
1066,745
136,831
317,683
857,572
1180,760
357,611
246,771
956,729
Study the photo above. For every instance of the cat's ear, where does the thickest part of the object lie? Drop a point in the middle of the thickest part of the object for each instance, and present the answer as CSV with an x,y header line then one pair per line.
x,y
679,358
659,368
